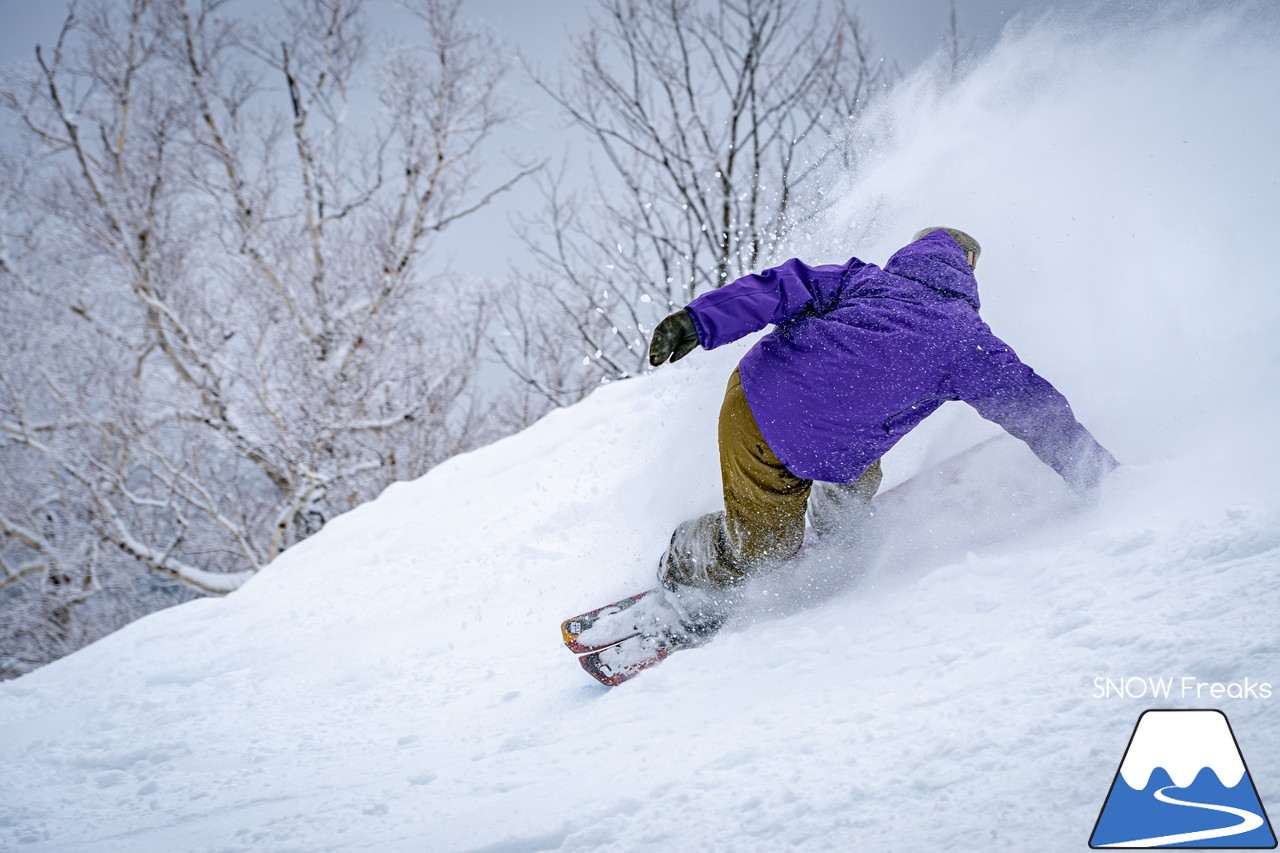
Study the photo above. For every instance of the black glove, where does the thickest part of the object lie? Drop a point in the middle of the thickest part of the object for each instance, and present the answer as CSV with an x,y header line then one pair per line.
x,y
674,338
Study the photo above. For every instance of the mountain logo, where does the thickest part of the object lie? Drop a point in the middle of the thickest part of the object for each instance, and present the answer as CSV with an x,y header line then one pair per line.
x,y
1183,783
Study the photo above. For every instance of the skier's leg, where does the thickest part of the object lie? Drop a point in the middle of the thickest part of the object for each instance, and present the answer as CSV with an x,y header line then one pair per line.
x,y
764,502
763,520
839,511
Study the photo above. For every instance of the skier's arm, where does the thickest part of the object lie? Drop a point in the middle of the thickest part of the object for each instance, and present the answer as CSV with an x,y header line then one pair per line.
x,y
1005,390
752,302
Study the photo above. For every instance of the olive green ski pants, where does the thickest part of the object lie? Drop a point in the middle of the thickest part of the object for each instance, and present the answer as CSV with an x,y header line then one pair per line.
x,y
763,521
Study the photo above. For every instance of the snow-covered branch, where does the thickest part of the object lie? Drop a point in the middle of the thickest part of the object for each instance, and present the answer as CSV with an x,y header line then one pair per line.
x,y
224,326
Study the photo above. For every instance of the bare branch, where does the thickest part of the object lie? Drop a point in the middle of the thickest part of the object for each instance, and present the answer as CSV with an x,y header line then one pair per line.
x,y
714,119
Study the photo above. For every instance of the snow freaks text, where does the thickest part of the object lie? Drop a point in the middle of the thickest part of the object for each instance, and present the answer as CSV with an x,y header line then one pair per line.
x,y
1183,687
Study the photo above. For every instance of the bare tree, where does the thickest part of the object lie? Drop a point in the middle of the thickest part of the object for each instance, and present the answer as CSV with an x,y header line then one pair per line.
x,y
959,49
222,330
713,119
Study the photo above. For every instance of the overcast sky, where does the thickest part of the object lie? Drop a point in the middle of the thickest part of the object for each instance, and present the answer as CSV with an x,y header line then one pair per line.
x,y
907,31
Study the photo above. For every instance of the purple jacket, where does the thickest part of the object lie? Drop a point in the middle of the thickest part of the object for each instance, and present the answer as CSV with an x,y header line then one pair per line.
x,y
861,355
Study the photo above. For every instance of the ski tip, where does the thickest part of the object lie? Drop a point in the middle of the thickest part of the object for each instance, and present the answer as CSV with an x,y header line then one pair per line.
x,y
569,630
574,626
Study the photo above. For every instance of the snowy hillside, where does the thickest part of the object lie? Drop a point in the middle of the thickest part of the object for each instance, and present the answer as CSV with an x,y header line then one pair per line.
x,y
397,682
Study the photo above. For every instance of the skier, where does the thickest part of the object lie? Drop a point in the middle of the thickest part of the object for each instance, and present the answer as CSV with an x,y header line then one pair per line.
x,y
860,356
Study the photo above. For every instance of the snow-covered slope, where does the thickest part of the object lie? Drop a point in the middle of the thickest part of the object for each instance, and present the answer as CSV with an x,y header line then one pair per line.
x,y
397,683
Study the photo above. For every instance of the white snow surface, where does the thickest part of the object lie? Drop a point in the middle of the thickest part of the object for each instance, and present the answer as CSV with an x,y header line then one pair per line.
x,y
397,682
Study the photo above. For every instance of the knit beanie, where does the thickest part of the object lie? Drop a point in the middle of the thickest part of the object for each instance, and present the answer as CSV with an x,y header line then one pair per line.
x,y
966,242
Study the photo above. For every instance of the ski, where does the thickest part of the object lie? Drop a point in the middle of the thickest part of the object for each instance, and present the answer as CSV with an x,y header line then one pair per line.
x,y
605,626
620,640
617,642
626,659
